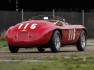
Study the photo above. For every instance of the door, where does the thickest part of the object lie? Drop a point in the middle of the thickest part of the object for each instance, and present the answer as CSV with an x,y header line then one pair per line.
x,y
69,33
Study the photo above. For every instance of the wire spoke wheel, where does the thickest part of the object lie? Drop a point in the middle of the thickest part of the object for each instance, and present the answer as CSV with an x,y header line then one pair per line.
x,y
81,43
55,41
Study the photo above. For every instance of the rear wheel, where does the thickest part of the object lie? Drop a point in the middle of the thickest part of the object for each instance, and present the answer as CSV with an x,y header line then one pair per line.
x,y
81,44
40,49
13,49
55,42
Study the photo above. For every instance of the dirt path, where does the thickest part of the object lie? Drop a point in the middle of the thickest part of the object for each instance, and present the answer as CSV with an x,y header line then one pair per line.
x,y
33,53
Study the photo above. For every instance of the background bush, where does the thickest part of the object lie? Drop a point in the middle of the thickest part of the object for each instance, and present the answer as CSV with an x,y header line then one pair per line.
x,y
3,42
2,36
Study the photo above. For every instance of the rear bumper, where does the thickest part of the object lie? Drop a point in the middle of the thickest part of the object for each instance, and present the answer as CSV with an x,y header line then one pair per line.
x,y
28,43
21,43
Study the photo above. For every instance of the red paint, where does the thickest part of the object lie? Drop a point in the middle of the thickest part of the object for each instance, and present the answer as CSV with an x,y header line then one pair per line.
x,y
24,36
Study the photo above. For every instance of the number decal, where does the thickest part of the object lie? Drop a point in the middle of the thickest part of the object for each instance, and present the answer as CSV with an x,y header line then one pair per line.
x,y
33,26
26,26
72,34
20,26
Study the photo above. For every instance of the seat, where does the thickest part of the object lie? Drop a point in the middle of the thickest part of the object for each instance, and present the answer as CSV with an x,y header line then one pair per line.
x,y
57,22
60,23
52,20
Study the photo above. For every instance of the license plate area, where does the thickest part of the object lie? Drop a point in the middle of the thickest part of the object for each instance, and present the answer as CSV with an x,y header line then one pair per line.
x,y
23,36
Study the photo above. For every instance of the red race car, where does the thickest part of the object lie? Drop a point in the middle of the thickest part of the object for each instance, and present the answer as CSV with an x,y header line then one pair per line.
x,y
43,32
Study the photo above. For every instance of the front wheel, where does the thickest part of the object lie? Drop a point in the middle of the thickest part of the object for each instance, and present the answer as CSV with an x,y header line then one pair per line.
x,y
55,42
40,49
81,44
13,49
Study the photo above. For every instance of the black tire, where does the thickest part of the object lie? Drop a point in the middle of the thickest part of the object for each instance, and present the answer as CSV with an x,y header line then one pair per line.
x,y
40,49
81,43
13,49
55,43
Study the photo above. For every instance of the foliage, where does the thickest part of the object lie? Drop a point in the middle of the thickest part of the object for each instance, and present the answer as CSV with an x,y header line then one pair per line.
x,y
3,44
2,36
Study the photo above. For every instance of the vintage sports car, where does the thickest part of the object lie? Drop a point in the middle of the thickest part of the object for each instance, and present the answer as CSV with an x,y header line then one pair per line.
x,y
43,32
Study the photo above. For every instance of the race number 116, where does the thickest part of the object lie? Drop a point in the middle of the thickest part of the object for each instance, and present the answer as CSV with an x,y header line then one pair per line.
x,y
33,26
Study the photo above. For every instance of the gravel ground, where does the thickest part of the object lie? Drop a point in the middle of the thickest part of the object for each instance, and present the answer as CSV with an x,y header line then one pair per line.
x,y
33,52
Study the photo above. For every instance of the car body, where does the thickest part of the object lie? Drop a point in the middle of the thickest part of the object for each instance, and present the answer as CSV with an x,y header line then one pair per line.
x,y
49,32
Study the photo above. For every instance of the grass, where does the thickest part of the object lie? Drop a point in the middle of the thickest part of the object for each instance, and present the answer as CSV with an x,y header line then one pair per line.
x,y
86,57
48,66
3,44
2,36
72,61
